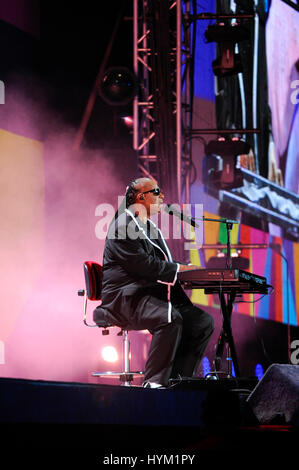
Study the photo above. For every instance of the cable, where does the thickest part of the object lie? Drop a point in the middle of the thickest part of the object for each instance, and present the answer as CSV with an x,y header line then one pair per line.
x,y
256,300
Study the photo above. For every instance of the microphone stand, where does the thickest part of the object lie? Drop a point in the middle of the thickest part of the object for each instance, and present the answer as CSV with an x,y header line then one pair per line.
x,y
229,263
226,305
229,226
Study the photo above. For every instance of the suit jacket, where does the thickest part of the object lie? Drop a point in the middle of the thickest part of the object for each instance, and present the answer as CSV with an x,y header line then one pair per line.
x,y
135,264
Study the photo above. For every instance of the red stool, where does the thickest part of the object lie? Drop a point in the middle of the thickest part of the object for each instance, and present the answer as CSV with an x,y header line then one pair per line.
x,y
93,282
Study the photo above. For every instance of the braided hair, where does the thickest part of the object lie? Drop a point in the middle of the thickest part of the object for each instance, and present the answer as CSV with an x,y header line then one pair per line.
x,y
128,200
131,193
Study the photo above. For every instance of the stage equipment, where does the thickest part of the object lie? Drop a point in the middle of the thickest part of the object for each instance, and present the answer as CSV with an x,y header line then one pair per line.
x,y
109,354
232,283
262,198
186,218
95,89
221,167
277,394
227,35
227,282
93,282
118,86
128,121
229,278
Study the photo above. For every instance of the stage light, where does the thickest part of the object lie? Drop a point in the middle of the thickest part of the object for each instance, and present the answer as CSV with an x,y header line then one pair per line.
x,y
118,86
128,120
206,367
259,371
221,165
221,32
228,64
226,36
109,354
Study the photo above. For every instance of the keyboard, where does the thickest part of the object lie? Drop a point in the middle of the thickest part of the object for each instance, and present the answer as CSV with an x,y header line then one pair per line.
x,y
213,280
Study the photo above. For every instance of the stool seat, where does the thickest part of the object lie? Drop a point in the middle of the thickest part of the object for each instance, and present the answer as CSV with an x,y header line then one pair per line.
x,y
102,323
103,319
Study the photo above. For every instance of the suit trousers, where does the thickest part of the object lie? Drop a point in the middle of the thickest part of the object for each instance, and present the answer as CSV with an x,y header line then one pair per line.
x,y
177,347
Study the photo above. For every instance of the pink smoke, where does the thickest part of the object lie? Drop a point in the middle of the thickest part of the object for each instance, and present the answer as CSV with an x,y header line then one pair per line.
x,y
48,340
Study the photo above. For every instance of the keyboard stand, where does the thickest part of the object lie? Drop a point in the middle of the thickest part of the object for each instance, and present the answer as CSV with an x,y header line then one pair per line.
x,y
226,335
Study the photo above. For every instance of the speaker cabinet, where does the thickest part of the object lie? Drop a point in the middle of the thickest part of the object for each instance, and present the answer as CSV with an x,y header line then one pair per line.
x,y
277,395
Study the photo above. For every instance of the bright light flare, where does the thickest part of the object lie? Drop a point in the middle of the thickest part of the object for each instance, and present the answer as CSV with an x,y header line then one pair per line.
x,y
109,354
128,120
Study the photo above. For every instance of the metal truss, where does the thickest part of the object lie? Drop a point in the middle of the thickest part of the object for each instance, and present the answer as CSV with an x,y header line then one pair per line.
x,y
152,159
172,168
143,120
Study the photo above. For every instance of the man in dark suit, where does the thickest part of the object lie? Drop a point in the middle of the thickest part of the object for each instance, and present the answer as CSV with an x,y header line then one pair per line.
x,y
140,289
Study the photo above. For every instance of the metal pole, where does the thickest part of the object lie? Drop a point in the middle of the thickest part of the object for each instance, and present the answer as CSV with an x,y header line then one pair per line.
x,y
239,246
187,121
178,97
135,66
254,85
224,131
126,356
229,227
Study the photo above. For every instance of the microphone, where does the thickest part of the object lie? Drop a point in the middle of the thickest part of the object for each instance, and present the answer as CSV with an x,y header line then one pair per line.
x,y
186,218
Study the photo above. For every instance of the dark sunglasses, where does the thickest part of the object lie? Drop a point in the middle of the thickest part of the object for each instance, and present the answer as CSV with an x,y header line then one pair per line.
x,y
155,191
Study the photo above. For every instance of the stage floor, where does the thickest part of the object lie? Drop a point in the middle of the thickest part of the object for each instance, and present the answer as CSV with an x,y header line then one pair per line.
x,y
101,424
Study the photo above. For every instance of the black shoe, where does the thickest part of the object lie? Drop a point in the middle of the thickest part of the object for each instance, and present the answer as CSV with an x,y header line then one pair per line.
x,y
148,384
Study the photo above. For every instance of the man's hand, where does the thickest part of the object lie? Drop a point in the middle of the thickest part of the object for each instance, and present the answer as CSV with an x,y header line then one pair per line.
x,y
187,267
